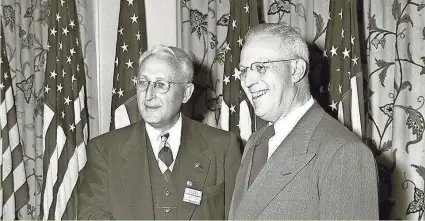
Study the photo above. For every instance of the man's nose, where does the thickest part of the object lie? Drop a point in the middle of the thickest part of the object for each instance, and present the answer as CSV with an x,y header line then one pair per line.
x,y
250,79
150,91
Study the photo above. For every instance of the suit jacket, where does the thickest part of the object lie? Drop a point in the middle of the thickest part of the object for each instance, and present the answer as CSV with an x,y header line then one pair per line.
x,y
116,182
320,171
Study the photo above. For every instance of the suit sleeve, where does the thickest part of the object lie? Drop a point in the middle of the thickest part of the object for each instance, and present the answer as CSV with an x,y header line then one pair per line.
x,y
93,192
231,166
349,189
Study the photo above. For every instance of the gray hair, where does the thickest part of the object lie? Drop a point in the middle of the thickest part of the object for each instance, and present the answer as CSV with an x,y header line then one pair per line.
x,y
291,40
183,60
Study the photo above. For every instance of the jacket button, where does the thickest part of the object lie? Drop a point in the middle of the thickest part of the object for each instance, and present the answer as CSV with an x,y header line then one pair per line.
x,y
167,193
167,210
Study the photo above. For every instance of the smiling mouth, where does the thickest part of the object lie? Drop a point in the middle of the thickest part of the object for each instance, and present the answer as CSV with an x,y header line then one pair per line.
x,y
257,94
151,108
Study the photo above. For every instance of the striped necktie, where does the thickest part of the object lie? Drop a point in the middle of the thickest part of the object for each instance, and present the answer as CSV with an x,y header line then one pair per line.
x,y
166,156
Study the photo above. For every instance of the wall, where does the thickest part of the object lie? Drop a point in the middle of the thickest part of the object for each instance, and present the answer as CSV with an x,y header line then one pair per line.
x,y
160,18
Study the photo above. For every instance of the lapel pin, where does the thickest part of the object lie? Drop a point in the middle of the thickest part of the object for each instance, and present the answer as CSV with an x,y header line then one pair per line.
x,y
189,183
198,165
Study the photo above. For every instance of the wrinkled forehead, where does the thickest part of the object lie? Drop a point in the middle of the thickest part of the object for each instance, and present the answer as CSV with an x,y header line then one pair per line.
x,y
262,48
158,66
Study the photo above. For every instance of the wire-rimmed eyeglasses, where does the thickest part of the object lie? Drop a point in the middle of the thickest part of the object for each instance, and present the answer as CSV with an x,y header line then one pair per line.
x,y
258,66
159,86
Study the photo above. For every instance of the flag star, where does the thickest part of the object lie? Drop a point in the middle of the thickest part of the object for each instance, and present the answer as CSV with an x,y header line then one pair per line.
x,y
63,115
340,89
129,63
227,48
72,51
78,68
121,31
333,105
346,53
352,40
116,61
134,19
60,45
134,79
246,8
333,51
232,108
137,35
62,2
130,2
342,33
65,31
226,79
321,89
68,59
76,41
237,74
124,47
340,14
113,91
1,86
355,60
53,74
58,17
140,52
48,47
6,75
325,53
240,41
71,23
60,88
46,89
234,24
73,78
72,127
53,31
67,100
121,92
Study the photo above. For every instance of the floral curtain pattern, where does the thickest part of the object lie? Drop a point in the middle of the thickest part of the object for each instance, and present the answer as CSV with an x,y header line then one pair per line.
x,y
394,47
26,33
203,34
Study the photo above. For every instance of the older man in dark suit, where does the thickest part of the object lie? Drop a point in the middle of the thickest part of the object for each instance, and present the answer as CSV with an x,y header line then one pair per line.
x,y
304,165
167,166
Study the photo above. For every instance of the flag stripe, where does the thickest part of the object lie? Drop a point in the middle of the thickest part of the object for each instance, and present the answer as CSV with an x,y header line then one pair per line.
x,y
5,107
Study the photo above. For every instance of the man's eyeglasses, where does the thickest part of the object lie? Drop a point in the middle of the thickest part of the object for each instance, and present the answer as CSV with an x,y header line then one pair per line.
x,y
159,86
258,67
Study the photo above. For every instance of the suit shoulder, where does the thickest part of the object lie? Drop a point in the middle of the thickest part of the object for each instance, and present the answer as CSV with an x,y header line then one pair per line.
x,y
115,136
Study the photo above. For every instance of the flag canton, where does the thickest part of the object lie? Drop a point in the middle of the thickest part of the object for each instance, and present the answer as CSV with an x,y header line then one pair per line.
x,y
131,43
65,76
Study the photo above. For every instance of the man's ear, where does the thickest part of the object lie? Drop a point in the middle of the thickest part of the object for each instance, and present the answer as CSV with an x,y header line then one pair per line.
x,y
188,91
298,70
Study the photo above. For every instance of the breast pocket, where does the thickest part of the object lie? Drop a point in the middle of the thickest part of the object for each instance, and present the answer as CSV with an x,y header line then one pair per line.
x,y
213,190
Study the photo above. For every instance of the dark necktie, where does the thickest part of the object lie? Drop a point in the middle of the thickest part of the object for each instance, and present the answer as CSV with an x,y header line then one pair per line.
x,y
260,155
166,156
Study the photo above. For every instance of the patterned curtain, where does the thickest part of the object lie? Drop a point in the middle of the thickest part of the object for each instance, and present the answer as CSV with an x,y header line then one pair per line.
x,y
203,27
26,34
394,45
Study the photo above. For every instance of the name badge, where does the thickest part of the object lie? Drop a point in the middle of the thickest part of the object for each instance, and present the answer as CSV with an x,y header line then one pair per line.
x,y
192,196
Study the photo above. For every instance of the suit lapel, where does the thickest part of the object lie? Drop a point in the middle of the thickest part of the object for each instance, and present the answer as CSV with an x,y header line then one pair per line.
x,y
290,157
194,165
135,176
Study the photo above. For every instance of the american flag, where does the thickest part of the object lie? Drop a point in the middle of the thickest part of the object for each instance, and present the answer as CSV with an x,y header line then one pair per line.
x,y
237,114
65,120
131,43
345,85
14,193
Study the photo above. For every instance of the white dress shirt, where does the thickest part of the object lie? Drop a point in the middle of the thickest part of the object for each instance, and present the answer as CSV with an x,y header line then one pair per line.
x,y
173,142
284,125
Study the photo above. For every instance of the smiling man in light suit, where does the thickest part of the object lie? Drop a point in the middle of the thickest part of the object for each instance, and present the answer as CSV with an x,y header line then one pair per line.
x,y
167,166
305,164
